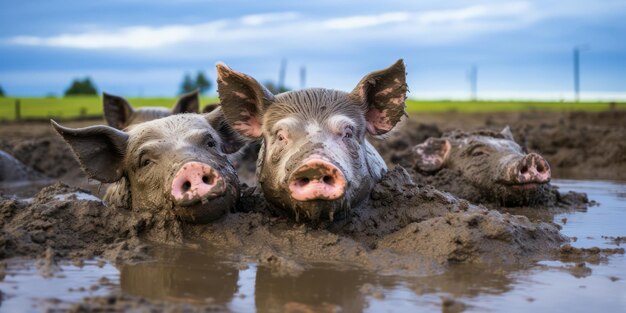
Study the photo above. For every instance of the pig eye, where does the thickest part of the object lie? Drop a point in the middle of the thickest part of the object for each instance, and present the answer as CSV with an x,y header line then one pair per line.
x,y
348,133
145,162
479,152
210,142
280,136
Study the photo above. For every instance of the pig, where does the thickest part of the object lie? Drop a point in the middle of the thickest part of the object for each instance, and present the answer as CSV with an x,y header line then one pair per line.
x,y
315,159
119,114
491,167
178,163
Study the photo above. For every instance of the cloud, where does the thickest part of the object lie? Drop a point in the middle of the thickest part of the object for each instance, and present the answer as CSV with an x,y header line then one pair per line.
x,y
295,30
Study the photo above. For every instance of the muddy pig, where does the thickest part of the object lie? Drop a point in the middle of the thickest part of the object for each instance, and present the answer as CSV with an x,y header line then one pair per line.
x,y
315,159
178,163
484,166
119,114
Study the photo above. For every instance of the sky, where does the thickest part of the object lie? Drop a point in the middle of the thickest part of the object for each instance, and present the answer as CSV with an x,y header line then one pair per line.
x,y
521,49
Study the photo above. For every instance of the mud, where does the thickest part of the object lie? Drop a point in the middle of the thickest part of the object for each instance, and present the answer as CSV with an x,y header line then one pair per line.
x,y
547,201
406,228
62,222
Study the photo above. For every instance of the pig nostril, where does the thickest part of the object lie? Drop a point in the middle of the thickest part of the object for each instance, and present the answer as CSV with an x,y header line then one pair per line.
x,y
304,181
186,186
524,169
328,180
540,168
205,179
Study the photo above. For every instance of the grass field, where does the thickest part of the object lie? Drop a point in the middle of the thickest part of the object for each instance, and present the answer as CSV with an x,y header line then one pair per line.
x,y
72,107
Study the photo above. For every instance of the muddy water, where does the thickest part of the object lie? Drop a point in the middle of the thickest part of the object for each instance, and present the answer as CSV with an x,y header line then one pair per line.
x,y
201,275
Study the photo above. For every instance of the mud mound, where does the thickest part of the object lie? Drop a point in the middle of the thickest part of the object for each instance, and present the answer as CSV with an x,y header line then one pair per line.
x,y
69,221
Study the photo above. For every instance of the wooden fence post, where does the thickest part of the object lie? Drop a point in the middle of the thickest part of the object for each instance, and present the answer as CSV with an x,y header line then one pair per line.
x,y
18,113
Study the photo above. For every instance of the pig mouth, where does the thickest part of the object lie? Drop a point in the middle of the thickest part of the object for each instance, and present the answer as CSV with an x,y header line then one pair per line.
x,y
531,185
205,209
526,186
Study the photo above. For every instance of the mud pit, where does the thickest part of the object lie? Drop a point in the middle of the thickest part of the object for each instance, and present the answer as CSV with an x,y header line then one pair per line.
x,y
407,230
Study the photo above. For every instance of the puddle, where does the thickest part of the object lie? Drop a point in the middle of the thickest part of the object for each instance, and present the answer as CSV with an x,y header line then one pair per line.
x,y
24,288
205,276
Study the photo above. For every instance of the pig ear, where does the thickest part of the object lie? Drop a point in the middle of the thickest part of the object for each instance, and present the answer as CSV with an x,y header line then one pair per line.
x,y
187,103
431,155
210,107
100,150
117,110
231,141
243,101
506,132
383,93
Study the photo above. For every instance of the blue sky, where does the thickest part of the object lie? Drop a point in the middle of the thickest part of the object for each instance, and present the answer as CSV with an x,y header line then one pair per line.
x,y
523,49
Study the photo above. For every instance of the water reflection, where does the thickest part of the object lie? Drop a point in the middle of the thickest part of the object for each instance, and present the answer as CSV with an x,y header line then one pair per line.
x,y
182,275
317,289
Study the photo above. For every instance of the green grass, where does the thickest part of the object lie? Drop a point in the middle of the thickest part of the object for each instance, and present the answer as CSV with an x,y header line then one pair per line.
x,y
506,106
72,107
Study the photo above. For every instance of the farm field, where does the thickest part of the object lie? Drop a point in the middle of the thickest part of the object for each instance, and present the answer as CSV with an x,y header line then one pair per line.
x,y
74,107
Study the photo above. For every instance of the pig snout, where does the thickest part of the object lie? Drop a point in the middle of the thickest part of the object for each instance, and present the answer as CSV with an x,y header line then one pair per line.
x,y
196,181
317,179
532,168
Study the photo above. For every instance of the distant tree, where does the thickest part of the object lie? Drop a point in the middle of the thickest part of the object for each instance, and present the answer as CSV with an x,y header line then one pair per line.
x,y
274,88
1,92
81,87
202,83
188,85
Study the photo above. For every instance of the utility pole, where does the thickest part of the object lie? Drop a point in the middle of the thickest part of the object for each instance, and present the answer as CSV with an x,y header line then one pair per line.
x,y
577,73
472,76
577,50
281,74
302,77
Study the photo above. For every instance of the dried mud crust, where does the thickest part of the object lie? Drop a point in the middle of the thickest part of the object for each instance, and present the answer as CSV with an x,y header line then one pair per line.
x,y
403,229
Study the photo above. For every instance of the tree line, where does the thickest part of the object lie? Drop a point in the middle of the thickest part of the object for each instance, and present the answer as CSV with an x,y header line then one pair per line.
x,y
86,87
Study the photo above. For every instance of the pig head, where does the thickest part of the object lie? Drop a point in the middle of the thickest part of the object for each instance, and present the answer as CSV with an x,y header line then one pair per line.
x,y
493,163
315,159
119,114
178,163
